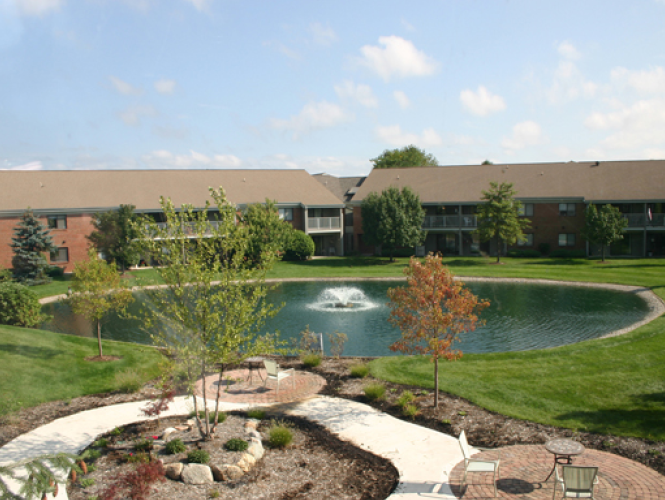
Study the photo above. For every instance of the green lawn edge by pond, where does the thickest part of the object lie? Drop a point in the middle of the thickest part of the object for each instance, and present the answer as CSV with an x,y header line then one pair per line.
x,y
37,366
614,385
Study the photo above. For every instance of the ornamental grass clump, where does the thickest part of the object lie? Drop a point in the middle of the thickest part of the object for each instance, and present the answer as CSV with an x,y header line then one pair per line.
x,y
198,457
256,413
175,446
128,381
311,360
374,392
211,416
410,411
279,434
406,398
359,370
235,444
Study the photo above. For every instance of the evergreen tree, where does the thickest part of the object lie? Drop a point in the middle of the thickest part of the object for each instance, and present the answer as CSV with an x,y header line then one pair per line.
x,y
114,235
603,227
30,242
498,217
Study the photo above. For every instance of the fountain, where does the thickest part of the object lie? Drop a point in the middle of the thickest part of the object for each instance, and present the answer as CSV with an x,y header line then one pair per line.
x,y
342,298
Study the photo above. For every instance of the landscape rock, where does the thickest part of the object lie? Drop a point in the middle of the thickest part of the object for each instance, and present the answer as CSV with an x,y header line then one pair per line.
x,y
254,434
232,472
246,462
256,450
196,474
218,472
251,424
174,470
167,432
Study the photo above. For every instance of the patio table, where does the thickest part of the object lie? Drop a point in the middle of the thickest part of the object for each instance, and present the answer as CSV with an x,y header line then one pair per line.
x,y
563,450
254,365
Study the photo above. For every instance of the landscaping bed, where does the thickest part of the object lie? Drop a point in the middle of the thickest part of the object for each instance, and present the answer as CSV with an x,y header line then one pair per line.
x,y
315,465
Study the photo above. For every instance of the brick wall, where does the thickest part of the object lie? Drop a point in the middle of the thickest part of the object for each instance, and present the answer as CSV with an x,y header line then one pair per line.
x,y
547,224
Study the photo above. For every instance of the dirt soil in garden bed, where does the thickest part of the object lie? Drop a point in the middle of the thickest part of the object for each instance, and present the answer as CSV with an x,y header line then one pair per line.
x,y
316,464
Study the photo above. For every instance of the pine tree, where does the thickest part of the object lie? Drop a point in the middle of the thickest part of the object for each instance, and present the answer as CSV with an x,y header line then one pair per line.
x,y
30,242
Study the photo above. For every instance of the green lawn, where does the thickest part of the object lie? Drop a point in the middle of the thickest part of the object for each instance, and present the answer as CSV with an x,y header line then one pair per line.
x,y
38,366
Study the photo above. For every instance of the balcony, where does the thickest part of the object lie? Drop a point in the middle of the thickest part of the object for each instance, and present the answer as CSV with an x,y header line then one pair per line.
x,y
323,223
449,221
641,220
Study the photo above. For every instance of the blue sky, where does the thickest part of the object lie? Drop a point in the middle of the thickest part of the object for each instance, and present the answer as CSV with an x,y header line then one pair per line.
x,y
327,85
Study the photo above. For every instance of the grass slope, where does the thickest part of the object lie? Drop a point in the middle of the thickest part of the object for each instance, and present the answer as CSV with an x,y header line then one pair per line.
x,y
38,366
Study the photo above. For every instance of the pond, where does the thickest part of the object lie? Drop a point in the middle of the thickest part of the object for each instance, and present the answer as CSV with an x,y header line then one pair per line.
x,y
521,316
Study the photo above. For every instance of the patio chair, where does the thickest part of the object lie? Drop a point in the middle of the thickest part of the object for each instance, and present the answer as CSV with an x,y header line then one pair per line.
x,y
273,372
477,465
575,481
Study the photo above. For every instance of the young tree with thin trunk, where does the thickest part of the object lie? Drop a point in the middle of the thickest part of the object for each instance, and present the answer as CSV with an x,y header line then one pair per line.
x,y
432,310
211,311
603,227
498,217
97,289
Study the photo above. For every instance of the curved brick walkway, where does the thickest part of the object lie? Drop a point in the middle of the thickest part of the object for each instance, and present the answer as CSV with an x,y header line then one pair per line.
x,y
524,467
237,389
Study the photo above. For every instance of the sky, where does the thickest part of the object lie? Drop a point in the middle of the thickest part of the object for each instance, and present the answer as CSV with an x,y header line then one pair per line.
x,y
327,85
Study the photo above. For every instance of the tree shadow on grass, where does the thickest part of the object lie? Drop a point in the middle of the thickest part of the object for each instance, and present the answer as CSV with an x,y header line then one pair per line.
x,y
31,352
464,263
343,262
558,262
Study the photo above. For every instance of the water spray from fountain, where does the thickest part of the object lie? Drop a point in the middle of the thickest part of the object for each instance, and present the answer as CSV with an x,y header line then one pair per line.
x,y
342,298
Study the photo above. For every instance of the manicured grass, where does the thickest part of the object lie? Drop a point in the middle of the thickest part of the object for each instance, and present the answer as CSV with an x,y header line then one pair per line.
x,y
38,366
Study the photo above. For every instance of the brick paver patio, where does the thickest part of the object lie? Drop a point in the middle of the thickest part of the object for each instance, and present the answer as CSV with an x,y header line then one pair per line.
x,y
524,467
236,388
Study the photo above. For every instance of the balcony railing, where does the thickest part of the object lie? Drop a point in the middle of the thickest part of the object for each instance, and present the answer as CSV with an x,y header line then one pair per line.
x,y
453,221
641,220
323,223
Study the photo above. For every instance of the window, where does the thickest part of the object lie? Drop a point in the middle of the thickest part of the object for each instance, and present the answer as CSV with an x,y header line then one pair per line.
x,y
528,242
566,209
57,222
526,210
567,240
286,214
60,255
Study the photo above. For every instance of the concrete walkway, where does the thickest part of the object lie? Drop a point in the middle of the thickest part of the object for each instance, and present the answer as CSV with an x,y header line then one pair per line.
x,y
423,457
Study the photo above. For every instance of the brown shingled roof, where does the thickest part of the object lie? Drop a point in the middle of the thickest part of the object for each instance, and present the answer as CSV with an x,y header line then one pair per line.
x,y
95,189
607,181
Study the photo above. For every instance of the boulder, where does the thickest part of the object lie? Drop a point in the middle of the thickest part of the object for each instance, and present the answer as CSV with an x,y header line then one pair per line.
x,y
232,472
174,470
218,472
167,432
256,450
246,462
196,474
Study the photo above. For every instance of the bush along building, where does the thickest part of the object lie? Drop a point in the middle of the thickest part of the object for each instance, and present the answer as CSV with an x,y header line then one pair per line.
x,y
554,198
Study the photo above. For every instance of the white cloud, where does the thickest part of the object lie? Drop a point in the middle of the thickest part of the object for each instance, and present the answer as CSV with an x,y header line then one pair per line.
x,y
397,57
394,136
482,102
37,7
166,159
313,116
323,35
33,165
132,116
569,84
568,51
527,133
361,93
165,86
123,87
650,81
402,99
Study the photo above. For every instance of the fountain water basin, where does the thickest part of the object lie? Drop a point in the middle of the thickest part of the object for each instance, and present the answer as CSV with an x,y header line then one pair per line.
x,y
342,298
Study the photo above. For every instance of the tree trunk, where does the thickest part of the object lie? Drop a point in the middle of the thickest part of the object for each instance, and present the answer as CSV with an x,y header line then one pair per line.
x,y
498,249
602,253
436,382
206,414
219,395
392,258
99,337
196,407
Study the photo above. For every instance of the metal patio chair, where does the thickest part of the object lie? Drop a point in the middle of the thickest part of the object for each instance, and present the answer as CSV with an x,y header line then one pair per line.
x,y
575,481
475,464
273,372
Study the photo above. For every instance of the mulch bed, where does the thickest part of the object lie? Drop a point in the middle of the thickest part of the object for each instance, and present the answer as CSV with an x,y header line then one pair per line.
x,y
316,465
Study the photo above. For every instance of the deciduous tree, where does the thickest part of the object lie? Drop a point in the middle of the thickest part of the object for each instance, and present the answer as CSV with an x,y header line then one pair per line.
x,y
212,309
603,227
408,156
29,243
268,233
97,289
393,219
498,217
114,236
432,310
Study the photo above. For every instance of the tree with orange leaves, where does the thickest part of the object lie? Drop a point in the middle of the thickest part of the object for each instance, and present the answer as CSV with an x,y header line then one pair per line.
x,y
432,310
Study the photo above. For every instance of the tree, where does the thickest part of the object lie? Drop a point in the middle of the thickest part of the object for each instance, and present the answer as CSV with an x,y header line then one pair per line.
x,y
432,310
19,305
487,162
393,219
210,312
37,476
300,246
113,235
268,233
30,242
408,156
97,289
603,227
498,217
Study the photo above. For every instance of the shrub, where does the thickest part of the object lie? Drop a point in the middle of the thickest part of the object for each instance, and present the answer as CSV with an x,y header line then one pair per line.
x,y
55,272
5,275
405,399
128,381
256,413
139,481
137,458
175,446
527,253
359,370
445,421
198,457
374,391
337,340
86,481
19,306
279,434
91,455
410,411
568,254
311,360
143,445
544,248
117,431
101,442
299,247
235,444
